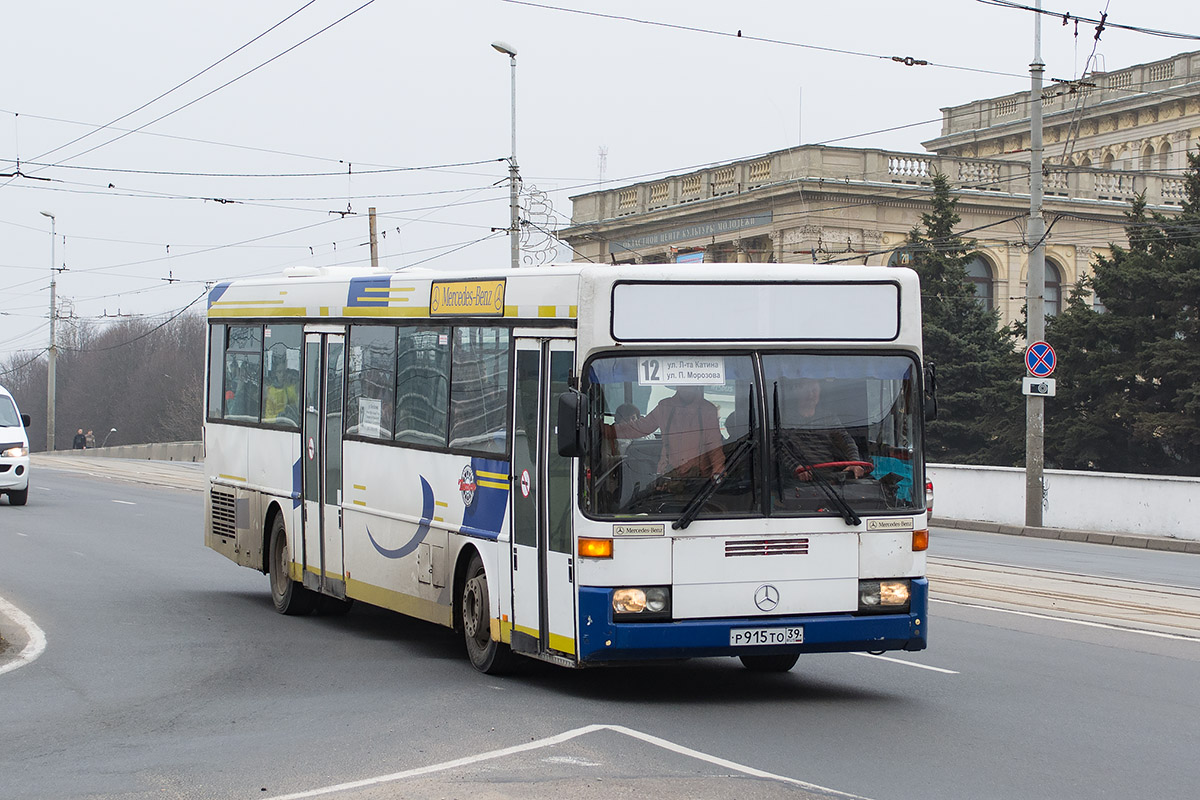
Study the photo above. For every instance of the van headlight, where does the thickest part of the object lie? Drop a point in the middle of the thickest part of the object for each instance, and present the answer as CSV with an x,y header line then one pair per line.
x,y
641,603
18,451
883,596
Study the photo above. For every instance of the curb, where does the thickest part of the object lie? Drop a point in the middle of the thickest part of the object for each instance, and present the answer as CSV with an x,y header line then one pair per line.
x,y
1164,543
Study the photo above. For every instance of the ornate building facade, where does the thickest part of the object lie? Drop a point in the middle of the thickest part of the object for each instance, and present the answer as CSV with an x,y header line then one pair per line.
x,y
1107,139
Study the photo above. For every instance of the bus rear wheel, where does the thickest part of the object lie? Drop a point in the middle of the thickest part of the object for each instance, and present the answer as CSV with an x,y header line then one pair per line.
x,y
487,655
779,663
288,596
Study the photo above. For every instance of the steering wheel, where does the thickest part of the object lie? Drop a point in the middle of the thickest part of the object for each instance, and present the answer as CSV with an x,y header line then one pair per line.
x,y
804,469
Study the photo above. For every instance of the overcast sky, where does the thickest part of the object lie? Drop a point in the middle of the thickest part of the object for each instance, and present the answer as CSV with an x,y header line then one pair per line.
x,y
400,85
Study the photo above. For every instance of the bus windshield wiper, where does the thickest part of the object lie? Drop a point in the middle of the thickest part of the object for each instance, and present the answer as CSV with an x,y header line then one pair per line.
x,y
848,514
706,491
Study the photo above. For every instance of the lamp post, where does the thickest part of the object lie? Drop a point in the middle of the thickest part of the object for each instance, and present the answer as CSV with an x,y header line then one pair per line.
x,y
53,352
110,433
514,179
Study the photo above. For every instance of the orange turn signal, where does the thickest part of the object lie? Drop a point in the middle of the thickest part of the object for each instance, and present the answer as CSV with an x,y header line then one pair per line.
x,y
595,548
920,541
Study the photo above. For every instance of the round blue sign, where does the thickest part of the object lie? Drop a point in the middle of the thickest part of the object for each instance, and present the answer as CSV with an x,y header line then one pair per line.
x,y
1040,359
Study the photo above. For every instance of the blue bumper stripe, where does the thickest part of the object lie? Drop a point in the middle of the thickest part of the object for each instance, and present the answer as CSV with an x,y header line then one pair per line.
x,y
602,640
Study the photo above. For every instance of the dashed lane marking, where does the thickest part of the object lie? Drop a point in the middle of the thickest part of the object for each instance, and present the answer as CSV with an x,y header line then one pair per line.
x,y
908,663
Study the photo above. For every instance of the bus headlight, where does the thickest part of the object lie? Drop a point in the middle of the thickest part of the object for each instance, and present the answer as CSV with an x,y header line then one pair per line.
x,y
16,452
883,596
641,603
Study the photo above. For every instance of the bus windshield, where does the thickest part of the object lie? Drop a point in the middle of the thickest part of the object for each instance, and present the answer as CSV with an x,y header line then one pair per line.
x,y
751,434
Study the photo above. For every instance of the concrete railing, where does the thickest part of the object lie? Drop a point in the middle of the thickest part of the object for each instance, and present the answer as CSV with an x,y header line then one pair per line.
x,y
823,166
165,451
1145,505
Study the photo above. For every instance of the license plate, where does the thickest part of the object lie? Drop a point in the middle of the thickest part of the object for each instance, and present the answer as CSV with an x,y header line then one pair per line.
x,y
740,637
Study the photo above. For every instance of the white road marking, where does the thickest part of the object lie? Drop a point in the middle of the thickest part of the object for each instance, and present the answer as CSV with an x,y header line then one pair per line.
x,y
559,739
125,502
37,638
908,663
22,534
578,762
1083,622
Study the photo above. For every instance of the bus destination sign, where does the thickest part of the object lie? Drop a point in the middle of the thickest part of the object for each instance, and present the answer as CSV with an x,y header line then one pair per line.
x,y
474,298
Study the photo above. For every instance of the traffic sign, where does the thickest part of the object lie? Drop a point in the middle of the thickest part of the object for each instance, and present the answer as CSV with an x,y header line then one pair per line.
x,y
1040,360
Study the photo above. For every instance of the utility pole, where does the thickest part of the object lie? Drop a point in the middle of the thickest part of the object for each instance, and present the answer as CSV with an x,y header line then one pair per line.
x,y
514,175
53,351
374,240
1035,287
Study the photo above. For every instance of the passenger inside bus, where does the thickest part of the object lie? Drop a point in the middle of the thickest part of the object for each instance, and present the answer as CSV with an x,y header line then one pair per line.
x,y
691,434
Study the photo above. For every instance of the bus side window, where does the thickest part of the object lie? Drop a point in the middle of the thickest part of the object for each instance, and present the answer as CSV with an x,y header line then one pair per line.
x,y
243,373
479,389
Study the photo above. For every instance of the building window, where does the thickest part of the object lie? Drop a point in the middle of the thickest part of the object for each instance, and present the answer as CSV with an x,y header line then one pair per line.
x,y
1053,288
979,275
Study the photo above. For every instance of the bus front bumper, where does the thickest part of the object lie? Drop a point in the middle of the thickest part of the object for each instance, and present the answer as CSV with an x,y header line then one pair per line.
x,y
601,640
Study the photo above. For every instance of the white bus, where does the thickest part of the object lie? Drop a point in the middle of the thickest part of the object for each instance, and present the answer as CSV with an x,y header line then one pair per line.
x,y
587,465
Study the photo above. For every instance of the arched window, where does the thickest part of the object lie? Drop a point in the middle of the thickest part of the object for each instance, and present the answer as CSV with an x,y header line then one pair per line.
x,y
979,275
1053,288
1148,158
1164,157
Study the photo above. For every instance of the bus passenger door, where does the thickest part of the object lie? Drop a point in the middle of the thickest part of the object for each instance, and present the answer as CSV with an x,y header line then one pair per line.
x,y
542,557
324,379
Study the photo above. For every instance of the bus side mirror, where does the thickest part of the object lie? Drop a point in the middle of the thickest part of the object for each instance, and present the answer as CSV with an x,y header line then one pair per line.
x,y
570,424
930,400
25,420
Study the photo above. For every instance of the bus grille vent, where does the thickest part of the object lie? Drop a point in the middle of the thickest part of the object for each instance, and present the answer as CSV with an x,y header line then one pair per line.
x,y
766,547
223,523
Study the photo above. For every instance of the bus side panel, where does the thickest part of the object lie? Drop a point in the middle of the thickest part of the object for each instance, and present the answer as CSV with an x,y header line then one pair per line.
x,y
226,468
273,463
403,512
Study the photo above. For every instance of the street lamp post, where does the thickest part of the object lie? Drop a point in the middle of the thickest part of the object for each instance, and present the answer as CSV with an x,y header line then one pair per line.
x,y
514,178
53,352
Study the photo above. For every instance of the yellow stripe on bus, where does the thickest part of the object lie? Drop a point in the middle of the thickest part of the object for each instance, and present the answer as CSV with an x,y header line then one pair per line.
x,y
500,476
563,644
257,311
384,311
232,478
491,484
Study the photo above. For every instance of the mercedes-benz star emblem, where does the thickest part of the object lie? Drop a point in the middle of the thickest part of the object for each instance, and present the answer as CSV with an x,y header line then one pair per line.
x,y
766,597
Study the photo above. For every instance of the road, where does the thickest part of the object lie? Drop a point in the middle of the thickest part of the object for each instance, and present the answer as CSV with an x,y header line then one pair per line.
x,y
167,674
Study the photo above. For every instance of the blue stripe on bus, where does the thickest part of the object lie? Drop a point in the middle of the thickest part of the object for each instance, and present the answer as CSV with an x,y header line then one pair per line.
x,y
485,515
602,640
215,293
359,297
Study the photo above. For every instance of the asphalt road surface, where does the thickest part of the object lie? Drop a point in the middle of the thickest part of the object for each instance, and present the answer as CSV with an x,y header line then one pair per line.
x,y
166,674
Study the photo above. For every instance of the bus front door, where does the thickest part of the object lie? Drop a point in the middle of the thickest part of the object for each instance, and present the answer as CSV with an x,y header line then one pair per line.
x,y
542,558
324,378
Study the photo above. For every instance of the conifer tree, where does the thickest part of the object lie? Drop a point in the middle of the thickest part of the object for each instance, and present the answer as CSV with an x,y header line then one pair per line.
x,y
980,420
1129,396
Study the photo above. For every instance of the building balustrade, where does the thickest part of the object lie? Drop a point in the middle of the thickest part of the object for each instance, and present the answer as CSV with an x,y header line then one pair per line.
x,y
845,166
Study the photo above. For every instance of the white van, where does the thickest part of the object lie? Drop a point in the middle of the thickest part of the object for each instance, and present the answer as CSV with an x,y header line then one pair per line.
x,y
14,451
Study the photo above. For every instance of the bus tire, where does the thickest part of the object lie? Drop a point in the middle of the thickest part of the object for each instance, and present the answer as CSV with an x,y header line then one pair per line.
x,y
16,498
288,596
778,663
487,655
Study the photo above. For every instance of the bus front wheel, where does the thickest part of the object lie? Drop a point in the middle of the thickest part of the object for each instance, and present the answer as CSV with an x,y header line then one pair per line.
x,y
288,596
780,663
487,655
